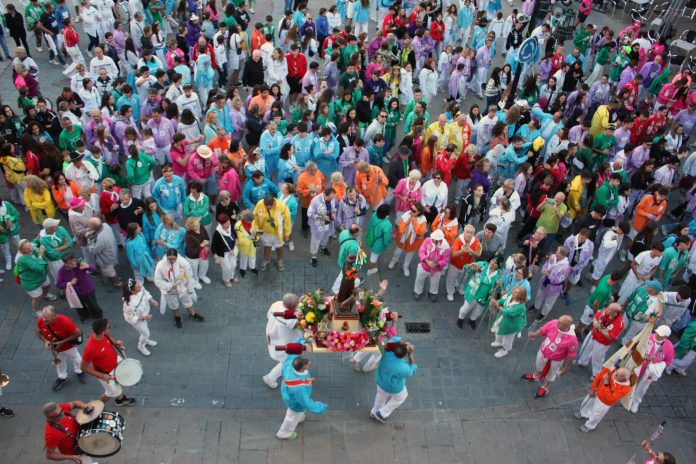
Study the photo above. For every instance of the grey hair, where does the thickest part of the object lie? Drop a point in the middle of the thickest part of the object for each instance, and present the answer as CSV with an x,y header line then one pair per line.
x,y
290,300
564,250
247,215
48,408
311,165
48,311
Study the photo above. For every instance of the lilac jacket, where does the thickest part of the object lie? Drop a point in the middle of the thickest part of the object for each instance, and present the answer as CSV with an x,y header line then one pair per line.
x,y
586,251
85,284
558,272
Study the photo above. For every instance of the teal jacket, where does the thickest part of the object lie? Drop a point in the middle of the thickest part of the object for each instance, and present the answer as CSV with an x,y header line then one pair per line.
x,y
379,234
198,208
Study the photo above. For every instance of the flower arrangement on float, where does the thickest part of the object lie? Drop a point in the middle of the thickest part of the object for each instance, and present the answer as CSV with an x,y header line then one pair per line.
x,y
315,313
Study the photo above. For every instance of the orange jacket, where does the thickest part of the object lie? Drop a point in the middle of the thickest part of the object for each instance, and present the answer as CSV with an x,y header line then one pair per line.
x,y
466,258
646,206
303,183
257,39
340,190
426,164
612,393
222,145
413,240
366,184
449,227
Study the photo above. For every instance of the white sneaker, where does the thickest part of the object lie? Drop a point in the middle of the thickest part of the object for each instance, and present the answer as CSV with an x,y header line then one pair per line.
x,y
8,266
251,10
51,297
291,245
372,271
144,351
391,265
269,383
450,297
406,272
204,279
353,363
496,344
501,353
39,49
197,286
151,343
53,61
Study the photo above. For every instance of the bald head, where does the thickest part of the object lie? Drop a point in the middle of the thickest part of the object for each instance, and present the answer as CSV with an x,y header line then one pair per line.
x,y
622,374
564,323
94,222
290,300
613,309
48,314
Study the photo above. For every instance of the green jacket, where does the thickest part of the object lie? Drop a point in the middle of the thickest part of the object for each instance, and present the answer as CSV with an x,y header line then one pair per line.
x,y
32,15
603,56
606,195
637,304
687,342
51,242
32,271
671,261
347,245
12,216
199,209
659,82
579,40
379,234
481,286
513,318
138,171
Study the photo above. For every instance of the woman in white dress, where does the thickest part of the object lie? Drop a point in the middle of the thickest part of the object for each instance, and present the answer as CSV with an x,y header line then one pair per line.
x,y
136,311
406,84
277,72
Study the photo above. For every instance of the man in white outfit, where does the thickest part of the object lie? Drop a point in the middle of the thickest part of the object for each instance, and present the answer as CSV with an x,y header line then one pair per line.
x,y
642,269
281,329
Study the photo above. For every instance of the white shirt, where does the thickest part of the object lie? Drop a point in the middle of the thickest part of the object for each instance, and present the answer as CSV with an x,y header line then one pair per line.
x,y
279,331
514,199
433,195
179,273
646,263
192,103
105,62
90,20
138,306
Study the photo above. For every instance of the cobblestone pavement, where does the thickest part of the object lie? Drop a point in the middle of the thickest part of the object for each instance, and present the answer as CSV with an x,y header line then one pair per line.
x,y
202,399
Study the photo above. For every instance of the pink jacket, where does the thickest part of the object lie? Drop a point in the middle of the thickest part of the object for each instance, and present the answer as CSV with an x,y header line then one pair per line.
x,y
439,254
200,169
412,196
230,181
663,354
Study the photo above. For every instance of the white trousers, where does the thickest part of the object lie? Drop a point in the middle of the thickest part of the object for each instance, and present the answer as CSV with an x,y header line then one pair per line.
x,y
199,267
421,275
480,80
317,241
371,363
74,356
144,332
594,351
247,261
593,410
276,372
506,340
386,403
633,327
228,264
407,259
680,365
555,366
638,393
544,303
5,247
454,281
76,56
289,424
628,286
360,27
474,310
142,191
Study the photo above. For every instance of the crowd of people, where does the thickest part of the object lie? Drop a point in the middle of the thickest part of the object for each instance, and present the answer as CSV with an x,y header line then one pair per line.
x,y
194,134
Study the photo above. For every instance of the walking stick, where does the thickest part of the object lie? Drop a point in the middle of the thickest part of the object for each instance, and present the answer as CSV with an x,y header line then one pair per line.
x,y
654,436
524,348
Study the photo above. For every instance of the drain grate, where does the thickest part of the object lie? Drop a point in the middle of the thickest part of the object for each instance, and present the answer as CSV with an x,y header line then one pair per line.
x,y
418,327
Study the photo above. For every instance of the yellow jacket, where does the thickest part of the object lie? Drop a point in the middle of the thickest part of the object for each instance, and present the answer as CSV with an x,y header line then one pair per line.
x,y
280,226
244,238
38,202
575,197
443,134
600,121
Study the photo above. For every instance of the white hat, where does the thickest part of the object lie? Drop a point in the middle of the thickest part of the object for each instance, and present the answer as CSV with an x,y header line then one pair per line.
x,y
663,331
437,235
194,17
50,222
204,151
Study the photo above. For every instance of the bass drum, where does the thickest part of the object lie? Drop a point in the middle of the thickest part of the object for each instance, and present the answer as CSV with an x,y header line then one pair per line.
x,y
128,372
103,436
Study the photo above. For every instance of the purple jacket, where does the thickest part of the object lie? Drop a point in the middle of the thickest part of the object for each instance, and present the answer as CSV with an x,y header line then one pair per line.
x,y
650,71
193,31
477,177
85,284
348,157
558,272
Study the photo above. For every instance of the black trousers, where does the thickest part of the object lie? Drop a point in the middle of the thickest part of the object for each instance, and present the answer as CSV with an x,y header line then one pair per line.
x,y
90,307
305,220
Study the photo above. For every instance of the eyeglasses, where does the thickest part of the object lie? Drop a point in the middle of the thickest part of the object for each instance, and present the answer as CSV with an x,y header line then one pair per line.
x,y
437,178
57,415
382,115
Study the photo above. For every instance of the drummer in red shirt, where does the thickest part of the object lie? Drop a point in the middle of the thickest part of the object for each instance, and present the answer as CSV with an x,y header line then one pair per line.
x,y
62,333
100,352
60,432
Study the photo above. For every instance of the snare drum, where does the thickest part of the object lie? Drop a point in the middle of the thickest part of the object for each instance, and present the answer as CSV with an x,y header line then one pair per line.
x,y
103,436
128,372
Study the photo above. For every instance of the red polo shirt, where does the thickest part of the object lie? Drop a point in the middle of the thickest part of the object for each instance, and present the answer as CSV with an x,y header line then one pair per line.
x,y
56,438
61,329
101,354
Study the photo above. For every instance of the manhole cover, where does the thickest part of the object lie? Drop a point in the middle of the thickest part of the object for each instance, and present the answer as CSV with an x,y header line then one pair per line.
x,y
418,327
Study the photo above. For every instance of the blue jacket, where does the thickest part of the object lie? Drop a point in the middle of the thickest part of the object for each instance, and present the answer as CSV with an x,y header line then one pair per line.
x,y
509,161
253,193
297,389
322,26
169,196
139,256
392,372
327,163
303,149
149,228
291,203
270,146
172,238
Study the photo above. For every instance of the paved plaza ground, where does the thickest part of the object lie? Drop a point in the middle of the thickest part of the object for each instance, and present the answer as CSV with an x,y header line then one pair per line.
x,y
202,398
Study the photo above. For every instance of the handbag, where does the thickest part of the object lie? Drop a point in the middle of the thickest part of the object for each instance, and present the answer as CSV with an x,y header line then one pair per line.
x,y
204,253
72,297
